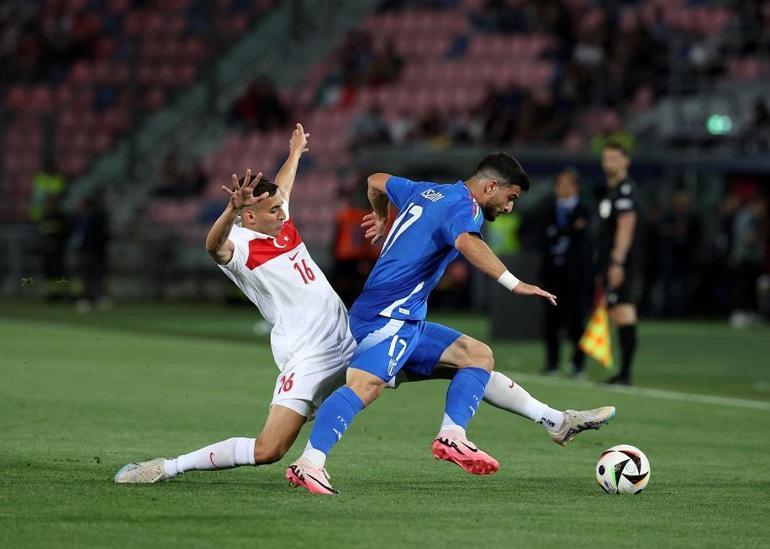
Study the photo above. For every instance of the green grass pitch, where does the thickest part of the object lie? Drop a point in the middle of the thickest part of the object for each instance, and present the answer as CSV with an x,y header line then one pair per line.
x,y
82,395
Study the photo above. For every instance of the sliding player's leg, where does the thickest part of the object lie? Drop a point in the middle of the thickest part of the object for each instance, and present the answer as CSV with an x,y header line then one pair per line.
x,y
280,431
300,387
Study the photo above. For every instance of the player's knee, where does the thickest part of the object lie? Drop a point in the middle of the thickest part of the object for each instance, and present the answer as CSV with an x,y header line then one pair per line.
x,y
484,357
479,355
367,386
367,392
268,452
471,352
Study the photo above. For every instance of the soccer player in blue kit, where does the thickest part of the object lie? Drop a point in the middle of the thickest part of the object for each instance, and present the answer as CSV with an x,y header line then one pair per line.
x,y
435,223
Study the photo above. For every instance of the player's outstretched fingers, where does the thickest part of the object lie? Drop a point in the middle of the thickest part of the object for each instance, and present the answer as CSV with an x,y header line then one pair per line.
x,y
549,296
255,180
368,221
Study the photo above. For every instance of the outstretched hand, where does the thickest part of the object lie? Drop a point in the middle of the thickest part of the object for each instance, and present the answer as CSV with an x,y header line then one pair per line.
x,y
375,227
522,288
242,195
299,140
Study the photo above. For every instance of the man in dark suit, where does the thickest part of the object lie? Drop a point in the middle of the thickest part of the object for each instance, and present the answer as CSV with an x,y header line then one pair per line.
x,y
566,268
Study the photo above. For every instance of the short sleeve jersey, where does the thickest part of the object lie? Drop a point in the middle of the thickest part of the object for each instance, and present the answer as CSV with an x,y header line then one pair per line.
x,y
418,247
616,201
278,275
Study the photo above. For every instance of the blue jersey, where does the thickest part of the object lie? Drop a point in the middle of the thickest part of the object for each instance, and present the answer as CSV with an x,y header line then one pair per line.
x,y
418,247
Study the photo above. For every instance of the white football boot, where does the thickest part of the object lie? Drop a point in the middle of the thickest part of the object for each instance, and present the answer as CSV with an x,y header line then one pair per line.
x,y
145,472
577,421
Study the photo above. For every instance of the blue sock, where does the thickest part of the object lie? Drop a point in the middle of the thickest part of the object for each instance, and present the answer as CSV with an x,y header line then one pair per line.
x,y
464,395
333,418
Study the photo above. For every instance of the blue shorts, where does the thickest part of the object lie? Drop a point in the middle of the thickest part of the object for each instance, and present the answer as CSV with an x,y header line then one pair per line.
x,y
387,345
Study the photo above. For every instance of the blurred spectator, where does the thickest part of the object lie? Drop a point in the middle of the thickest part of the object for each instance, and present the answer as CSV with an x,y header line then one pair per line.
x,y
503,17
539,120
356,56
748,258
53,233
368,128
259,108
386,66
457,127
177,182
432,129
358,64
45,183
90,239
718,272
680,246
566,268
354,256
401,128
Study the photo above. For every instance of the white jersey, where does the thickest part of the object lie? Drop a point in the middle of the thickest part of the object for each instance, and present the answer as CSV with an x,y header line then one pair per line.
x,y
282,280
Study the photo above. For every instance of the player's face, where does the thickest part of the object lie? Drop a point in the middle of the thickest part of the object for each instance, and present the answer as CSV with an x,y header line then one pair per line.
x,y
500,200
565,187
613,162
267,216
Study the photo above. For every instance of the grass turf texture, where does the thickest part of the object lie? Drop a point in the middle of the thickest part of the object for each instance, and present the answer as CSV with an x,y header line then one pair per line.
x,y
82,395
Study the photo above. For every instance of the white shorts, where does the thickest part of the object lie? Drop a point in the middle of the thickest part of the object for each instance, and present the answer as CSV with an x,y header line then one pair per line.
x,y
309,377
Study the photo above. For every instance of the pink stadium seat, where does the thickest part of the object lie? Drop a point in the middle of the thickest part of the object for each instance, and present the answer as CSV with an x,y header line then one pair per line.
x,y
40,99
16,97
237,23
194,49
73,6
117,6
153,98
81,72
135,23
173,27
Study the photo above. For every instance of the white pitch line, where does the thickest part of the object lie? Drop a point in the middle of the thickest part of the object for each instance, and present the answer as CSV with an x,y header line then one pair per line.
x,y
650,393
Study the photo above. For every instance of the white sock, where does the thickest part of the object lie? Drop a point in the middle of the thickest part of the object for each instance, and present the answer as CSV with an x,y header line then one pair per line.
x,y
447,424
226,454
316,457
501,392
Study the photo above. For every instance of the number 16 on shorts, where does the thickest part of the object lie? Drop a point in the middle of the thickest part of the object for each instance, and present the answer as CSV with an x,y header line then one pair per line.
x,y
285,384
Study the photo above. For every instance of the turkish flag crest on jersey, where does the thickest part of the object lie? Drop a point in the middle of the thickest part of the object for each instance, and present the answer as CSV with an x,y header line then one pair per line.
x,y
262,250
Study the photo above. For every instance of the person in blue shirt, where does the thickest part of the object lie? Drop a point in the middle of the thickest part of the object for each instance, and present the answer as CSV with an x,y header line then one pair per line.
x,y
435,223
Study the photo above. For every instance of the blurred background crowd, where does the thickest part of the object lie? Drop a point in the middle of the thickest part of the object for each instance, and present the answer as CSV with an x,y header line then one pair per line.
x,y
120,119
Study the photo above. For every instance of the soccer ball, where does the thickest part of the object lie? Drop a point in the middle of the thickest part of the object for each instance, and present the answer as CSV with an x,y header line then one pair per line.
x,y
623,469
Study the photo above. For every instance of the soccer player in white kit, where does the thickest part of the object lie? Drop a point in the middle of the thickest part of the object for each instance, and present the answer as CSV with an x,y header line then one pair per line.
x,y
311,341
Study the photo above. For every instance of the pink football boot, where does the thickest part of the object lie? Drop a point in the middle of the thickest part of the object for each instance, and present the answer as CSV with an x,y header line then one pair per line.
x,y
313,479
453,446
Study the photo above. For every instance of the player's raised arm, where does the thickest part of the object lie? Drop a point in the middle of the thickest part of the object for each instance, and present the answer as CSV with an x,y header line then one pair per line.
x,y
376,222
484,259
219,247
298,144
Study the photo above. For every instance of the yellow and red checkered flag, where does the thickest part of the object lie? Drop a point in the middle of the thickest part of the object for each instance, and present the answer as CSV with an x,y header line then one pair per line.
x,y
595,341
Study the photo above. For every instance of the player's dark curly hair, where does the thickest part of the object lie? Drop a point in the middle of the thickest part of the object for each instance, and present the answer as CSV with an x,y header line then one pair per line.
x,y
504,169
